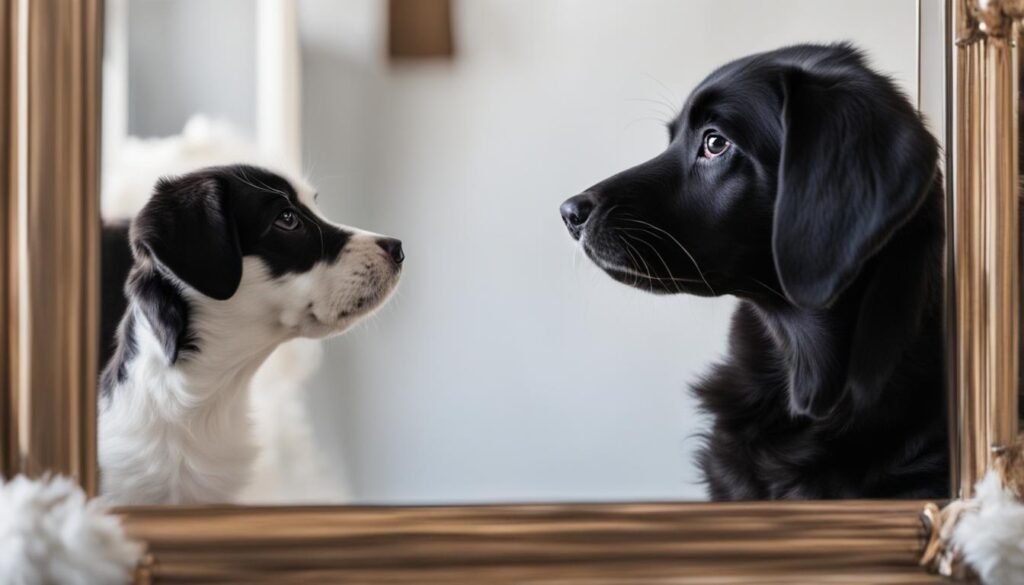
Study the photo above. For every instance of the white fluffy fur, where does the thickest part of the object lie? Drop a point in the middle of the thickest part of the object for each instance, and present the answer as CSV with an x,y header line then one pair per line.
x,y
282,459
131,173
288,467
991,538
50,534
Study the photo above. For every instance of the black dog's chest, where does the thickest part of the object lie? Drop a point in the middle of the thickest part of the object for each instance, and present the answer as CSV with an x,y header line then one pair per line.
x,y
757,449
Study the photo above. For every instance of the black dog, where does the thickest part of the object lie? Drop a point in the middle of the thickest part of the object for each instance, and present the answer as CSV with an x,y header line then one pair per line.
x,y
806,185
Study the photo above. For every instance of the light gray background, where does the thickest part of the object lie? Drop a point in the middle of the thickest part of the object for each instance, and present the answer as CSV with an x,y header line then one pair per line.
x,y
507,368
188,56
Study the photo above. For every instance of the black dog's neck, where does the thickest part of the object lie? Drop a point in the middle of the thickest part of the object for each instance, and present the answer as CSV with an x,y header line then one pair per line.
x,y
839,359
811,344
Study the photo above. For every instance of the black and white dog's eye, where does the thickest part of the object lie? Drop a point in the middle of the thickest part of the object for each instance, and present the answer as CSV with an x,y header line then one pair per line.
x,y
714,145
288,220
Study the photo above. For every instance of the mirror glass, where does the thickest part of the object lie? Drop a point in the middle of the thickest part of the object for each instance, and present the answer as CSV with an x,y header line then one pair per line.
x,y
487,358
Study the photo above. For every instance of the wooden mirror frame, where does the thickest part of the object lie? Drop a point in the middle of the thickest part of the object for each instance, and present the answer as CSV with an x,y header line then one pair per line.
x,y
50,75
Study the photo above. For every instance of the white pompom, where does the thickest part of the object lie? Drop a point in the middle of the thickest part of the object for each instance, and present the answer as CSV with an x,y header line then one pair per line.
x,y
991,539
49,533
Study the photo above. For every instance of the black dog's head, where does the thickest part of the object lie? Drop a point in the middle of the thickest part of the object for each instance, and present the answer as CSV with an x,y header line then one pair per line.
x,y
785,172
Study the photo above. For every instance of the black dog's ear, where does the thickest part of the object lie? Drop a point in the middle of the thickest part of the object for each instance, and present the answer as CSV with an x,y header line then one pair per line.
x,y
186,226
856,163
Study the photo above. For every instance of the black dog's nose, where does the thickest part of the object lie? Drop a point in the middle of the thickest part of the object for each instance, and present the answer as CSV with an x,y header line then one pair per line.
x,y
393,247
575,212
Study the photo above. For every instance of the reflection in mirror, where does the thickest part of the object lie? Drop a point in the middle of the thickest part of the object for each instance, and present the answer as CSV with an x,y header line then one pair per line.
x,y
789,220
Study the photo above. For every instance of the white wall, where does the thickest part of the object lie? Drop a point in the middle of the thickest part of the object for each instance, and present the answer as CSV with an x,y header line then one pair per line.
x,y
189,56
508,368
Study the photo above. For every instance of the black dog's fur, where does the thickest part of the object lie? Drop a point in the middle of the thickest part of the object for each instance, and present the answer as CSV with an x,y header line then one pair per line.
x,y
824,216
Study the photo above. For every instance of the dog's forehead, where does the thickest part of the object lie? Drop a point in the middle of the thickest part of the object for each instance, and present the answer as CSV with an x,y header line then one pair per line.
x,y
305,195
735,88
746,108
755,81
296,189
300,191
304,192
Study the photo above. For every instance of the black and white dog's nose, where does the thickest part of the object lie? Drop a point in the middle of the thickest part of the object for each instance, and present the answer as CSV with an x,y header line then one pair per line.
x,y
575,212
393,247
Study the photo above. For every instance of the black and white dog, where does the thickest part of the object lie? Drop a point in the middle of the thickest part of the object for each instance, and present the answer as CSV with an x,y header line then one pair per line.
x,y
229,262
806,185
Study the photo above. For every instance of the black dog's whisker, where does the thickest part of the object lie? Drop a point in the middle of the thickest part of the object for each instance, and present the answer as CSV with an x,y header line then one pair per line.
x,y
653,248
669,98
681,247
671,109
633,122
634,253
647,269
632,260
777,292
632,218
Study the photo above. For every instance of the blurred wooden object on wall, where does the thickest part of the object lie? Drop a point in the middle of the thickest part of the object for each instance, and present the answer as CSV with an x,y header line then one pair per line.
x,y
420,29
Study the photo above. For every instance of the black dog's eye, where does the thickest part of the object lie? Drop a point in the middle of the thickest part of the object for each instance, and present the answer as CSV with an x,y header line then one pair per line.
x,y
714,145
288,220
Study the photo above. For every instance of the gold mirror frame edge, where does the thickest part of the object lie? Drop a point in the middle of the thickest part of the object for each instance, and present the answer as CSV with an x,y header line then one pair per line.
x,y
50,59
984,233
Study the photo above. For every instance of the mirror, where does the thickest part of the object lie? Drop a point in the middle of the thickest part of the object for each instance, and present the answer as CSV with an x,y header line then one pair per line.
x,y
507,366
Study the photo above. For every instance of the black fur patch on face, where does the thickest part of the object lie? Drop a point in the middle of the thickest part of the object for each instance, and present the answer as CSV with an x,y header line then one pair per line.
x,y
259,198
200,226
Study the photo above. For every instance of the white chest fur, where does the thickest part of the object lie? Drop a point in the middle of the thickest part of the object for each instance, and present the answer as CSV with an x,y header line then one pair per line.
x,y
178,433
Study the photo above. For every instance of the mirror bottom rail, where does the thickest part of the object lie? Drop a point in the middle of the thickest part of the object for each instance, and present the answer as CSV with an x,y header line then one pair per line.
x,y
723,543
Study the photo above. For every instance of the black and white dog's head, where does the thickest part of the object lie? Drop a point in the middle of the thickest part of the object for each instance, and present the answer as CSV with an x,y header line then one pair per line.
x,y
243,248
785,173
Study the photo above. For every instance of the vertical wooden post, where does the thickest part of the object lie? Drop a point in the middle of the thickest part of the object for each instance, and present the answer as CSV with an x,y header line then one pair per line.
x,y
8,298
51,248
985,234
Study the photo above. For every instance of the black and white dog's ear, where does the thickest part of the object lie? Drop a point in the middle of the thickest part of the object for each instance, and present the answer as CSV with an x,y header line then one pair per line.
x,y
187,227
856,163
